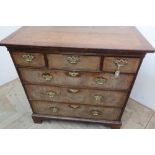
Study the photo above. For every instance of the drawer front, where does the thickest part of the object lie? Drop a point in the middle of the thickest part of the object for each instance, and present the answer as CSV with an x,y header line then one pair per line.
x,y
29,59
127,65
80,79
73,62
79,96
81,111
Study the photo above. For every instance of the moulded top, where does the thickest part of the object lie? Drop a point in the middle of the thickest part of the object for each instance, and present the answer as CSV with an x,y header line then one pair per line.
x,y
89,37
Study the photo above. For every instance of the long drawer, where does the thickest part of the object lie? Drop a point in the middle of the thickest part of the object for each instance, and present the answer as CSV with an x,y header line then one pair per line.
x,y
77,111
80,96
99,80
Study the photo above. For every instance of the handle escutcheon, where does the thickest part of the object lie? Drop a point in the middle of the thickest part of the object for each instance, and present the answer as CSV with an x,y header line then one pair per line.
x,y
73,59
95,112
54,109
101,80
98,98
51,94
28,58
73,91
119,63
47,76
73,106
73,74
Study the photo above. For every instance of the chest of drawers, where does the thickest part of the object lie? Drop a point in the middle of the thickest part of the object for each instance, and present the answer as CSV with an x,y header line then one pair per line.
x,y
78,73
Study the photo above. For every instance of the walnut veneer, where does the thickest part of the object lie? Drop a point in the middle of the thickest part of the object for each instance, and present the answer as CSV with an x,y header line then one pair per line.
x,y
78,73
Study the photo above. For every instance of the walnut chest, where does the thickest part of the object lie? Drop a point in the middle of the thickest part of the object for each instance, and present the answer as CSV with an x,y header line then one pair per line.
x,y
78,73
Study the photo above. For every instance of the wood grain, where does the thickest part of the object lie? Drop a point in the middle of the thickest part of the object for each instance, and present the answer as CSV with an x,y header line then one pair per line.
x,y
38,60
84,63
83,96
85,79
117,38
95,48
81,112
130,67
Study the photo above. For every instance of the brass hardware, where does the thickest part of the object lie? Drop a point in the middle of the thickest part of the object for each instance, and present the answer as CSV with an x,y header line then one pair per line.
x,y
100,80
119,63
74,91
73,74
47,76
98,97
96,112
28,57
73,106
73,59
51,94
54,109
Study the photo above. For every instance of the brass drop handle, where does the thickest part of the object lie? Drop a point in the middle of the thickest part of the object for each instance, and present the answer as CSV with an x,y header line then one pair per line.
x,y
47,76
73,59
98,98
73,106
101,80
51,94
54,109
73,91
28,57
96,112
73,74
119,63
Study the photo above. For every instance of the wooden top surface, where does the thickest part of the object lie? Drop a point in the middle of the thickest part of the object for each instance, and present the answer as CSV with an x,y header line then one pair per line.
x,y
114,38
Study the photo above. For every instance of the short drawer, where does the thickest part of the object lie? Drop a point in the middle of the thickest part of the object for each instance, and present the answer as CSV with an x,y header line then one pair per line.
x,y
73,62
81,79
127,65
75,95
29,59
81,111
